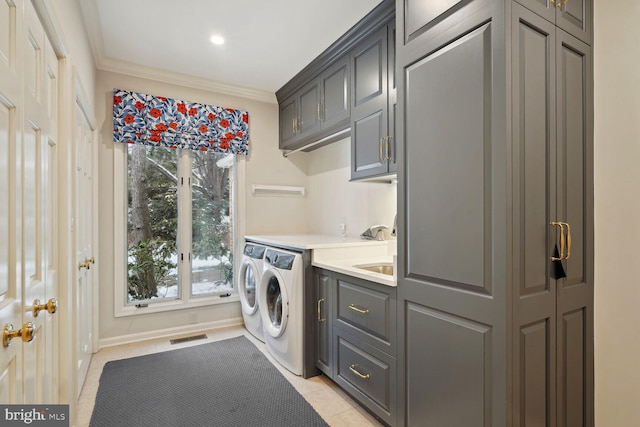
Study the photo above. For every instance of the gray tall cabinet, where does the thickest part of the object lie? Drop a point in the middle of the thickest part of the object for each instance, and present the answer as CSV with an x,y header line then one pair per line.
x,y
495,217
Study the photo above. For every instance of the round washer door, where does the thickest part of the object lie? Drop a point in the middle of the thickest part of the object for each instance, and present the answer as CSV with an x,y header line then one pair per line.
x,y
248,286
274,303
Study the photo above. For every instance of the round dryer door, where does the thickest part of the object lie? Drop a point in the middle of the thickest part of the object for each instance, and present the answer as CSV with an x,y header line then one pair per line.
x,y
274,303
248,286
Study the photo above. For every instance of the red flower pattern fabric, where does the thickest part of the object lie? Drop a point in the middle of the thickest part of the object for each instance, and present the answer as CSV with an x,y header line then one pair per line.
x,y
161,121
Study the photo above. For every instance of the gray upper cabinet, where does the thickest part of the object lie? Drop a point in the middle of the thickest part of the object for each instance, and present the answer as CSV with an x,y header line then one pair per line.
x,y
315,106
288,118
573,16
335,104
318,109
495,174
372,144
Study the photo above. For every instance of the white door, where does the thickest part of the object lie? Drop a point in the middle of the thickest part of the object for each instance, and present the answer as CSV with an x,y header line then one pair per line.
x,y
28,133
10,193
84,152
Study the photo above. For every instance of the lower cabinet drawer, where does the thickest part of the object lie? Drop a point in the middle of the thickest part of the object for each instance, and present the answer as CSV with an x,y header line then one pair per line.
x,y
368,374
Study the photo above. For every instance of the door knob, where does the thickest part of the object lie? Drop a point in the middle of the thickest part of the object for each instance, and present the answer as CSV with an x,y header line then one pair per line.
x,y
8,333
51,306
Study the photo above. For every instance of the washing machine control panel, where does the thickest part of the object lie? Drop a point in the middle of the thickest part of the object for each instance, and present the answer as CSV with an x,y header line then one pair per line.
x,y
280,260
254,251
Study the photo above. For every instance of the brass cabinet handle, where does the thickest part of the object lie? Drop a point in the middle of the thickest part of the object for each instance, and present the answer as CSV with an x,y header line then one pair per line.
x,y
561,225
91,260
359,310
27,333
353,369
566,224
320,319
84,265
51,306
560,3
389,138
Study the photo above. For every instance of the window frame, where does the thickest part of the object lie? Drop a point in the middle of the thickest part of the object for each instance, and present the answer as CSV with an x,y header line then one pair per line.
x,y
186,300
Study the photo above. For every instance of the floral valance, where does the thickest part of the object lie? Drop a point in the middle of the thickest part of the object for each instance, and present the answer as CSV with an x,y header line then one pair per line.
x,y
166,122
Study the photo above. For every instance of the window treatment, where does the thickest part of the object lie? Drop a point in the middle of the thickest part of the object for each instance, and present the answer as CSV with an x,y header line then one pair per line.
x,y
152,120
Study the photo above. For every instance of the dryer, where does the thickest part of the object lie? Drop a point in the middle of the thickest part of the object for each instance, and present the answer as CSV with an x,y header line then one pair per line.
x,y
249,278
281,301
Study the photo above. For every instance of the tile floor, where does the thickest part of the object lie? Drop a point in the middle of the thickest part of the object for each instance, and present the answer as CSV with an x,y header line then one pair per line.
x,y
328,400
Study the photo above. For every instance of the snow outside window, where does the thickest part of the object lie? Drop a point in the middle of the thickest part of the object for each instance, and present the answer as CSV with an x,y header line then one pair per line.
x,y
179,224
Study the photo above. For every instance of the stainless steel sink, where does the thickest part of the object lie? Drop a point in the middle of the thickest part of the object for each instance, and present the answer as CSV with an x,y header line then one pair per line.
x,y
382,268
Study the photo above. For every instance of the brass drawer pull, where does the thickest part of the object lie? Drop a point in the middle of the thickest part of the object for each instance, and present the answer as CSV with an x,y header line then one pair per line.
x,y
353,369
359,310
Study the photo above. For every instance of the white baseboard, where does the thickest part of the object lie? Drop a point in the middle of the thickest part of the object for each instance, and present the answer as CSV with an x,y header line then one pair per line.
x,y
163,333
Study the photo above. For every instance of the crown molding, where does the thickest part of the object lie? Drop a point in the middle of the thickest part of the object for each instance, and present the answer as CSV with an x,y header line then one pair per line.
x,y
135,70
104,63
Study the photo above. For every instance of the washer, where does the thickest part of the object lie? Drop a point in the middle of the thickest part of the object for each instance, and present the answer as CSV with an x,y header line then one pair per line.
x,y
280,297
248,284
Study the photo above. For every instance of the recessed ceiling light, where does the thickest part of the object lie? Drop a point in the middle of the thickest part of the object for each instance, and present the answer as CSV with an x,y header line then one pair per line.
x,y
217,40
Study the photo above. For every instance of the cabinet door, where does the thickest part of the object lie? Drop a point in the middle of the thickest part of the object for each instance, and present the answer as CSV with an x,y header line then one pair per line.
x,y
309,109
452,238
534,207
324,322
552,146
576,18
288,115
335,96
573,16
393,99
575,207
369,106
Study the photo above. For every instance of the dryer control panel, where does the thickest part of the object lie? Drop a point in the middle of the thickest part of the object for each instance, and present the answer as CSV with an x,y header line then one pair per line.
x,y
280,260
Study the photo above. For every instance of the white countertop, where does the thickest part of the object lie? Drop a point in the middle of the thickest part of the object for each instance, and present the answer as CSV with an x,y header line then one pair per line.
x,y
347,266
313,241
339,254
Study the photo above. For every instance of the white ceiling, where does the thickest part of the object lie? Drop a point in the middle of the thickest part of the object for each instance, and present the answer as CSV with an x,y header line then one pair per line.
x,y
267,41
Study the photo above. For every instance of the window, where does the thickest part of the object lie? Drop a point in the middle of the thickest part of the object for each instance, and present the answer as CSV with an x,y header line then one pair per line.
x,y
180,224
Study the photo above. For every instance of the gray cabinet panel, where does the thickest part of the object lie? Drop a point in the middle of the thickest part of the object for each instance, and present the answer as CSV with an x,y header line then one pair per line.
x,y
324,321
309,101
363,371
288,115
335,97
447,360
421,14
448,168
575,201
366,157
573,404
370,69
536,364
372,77
366,309
573,16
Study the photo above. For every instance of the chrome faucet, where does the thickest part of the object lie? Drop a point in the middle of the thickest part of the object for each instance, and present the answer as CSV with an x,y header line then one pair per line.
x,y
374,232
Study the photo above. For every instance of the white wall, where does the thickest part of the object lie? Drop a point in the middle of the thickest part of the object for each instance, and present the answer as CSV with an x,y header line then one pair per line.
x,y
617,212
67,18
334,200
